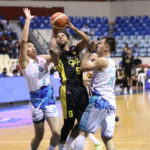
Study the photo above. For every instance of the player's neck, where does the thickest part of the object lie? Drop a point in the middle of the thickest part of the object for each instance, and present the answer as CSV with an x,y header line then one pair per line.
x,y
35,59
107,55
66,48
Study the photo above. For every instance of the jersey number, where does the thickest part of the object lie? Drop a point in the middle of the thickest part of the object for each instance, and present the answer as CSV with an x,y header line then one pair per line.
x,y
78,70
70,112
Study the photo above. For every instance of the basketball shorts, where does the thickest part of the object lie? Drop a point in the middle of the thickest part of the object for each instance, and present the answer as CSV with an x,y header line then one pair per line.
x,y
99,112
74,101
43,104
128,73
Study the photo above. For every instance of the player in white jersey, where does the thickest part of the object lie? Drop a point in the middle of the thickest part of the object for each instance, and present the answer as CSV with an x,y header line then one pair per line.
x,y
102,106
43,105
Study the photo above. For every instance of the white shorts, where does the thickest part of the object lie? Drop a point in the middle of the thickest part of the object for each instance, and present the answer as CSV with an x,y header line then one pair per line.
x,y
94,116
39,115
43,104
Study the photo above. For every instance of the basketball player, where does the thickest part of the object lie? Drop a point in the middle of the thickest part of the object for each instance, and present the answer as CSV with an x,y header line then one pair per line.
x,y
102,107
127,64
74,97
43,105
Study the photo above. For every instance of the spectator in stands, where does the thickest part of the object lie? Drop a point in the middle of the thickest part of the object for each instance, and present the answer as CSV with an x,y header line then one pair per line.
x,y
92,32
85,29
4,73
135,51
15,73
141,70
137,62
3,50
127,65
7,36
1,26
8,25
15,49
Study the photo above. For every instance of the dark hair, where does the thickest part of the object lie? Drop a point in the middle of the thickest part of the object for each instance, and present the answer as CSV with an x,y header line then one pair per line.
x,y
111,42
29,41
63,31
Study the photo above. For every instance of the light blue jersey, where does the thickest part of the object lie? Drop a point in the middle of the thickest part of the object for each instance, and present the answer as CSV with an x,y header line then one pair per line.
x,y
102,106
104,82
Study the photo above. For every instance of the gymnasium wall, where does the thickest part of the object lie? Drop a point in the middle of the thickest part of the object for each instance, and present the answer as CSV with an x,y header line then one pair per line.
x,y
93,8
18,11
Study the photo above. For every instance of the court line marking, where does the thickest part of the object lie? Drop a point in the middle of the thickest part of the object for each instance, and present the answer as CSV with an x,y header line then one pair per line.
x,y
47,141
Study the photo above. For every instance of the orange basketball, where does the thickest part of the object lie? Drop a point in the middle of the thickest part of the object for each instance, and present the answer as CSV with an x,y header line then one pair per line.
x,y
58,20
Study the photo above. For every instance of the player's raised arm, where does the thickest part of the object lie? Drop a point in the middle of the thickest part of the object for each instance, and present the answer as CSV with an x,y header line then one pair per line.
x,y
54,53
84,38
99,63
23,58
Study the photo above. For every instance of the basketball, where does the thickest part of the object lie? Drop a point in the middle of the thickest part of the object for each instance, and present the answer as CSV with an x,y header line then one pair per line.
x,y
58,20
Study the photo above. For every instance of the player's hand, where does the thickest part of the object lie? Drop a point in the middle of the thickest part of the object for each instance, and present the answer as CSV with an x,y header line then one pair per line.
x,y
28,14
92,45
54,30
69,24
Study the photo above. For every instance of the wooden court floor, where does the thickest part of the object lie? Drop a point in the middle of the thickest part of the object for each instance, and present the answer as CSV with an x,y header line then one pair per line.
x,y
132,132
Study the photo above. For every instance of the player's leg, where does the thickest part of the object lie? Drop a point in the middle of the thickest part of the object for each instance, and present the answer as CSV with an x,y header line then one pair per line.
x,y
89,123
54,124
130,82
68,106
52,116
38,119
39,132
81,102
80,141
96,142
107,130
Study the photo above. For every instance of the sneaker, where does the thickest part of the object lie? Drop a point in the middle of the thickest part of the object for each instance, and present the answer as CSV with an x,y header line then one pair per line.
x,y
98,146
131,91
125,91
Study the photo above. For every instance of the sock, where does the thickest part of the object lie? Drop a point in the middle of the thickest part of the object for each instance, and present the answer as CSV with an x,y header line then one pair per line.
x,y
62,146
69,142
93,138
51,147
79,143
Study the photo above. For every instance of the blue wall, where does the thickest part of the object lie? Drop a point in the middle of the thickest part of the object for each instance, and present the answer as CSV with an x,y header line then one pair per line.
x,y
14,89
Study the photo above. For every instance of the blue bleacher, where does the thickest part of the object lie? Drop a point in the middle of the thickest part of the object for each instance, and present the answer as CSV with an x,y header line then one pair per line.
x,y
125,28
137,28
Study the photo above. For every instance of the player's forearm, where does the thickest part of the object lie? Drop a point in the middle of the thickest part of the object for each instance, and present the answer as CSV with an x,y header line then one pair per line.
x,y
54,55
83,36
52,44
52,49
25,32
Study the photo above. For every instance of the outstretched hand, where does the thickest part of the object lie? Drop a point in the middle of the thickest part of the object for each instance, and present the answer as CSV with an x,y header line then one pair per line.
x,y
69,24
92,45
28,14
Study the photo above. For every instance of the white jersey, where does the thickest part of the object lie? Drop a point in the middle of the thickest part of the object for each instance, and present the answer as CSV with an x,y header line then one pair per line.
x,y
37,74
104,82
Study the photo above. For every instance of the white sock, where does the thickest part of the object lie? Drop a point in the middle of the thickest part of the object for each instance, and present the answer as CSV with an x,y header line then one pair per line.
x,y
62,146
51,147
79,143
93,138
69,142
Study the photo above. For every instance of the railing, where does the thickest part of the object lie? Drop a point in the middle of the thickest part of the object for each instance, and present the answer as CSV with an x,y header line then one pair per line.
x,y
42,44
